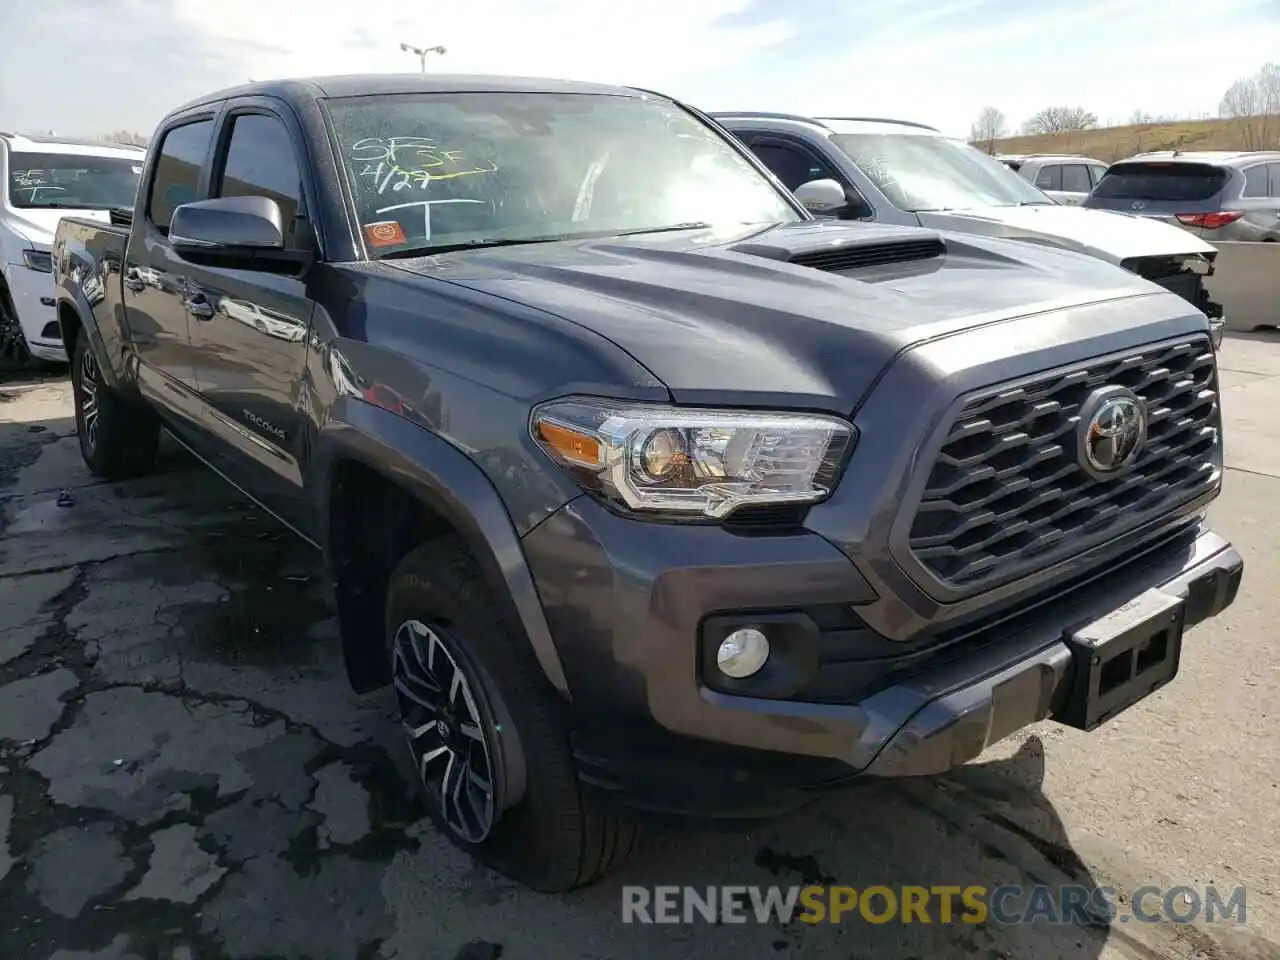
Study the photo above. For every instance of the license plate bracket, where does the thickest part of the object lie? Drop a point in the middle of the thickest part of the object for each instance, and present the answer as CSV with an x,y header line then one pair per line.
x,y
1122,658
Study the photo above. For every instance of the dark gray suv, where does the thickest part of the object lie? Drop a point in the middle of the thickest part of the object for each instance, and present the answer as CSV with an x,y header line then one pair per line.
x,y
1215,195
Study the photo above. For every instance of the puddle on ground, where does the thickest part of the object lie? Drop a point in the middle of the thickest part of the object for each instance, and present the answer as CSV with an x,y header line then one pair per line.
x,y
275,598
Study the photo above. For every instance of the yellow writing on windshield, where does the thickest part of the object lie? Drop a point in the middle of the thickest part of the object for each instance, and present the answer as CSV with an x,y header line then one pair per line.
x,y
407,163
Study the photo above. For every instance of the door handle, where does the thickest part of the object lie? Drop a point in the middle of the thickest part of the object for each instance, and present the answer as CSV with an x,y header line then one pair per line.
x,y
199,307
133,280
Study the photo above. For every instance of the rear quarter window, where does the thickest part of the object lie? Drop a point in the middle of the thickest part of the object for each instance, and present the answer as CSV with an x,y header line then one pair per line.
x,y
1160,181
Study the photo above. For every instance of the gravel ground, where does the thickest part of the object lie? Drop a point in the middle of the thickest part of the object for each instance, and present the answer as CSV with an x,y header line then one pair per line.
x,y
184,772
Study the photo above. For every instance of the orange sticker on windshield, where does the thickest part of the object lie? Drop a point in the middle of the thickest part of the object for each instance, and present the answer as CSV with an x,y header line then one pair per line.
x,y
384,234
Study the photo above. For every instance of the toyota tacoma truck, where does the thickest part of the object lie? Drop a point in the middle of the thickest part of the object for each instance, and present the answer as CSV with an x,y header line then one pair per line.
x,y
643,489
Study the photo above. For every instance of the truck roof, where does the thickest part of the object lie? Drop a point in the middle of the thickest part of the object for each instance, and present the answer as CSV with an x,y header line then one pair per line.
x,y
837,125
27,143
376,84
1057,157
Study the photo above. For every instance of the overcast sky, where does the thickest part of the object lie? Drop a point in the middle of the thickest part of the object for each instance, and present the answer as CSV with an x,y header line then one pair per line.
x,y
83,67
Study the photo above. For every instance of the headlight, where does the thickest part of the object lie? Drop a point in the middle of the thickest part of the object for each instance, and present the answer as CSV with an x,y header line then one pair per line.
x,y
693,461
41,260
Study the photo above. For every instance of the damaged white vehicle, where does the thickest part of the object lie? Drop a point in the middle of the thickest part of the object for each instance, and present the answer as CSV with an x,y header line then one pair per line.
x,y
898,172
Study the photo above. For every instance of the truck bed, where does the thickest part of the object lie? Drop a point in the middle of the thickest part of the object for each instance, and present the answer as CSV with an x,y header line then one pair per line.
x,y
88,258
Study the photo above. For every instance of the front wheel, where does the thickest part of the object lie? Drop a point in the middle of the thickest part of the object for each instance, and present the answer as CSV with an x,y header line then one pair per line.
x,y
117,439
14,351
491,753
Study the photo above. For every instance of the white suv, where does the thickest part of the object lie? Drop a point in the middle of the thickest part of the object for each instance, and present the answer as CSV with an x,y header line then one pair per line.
x,y
42,180
1067,179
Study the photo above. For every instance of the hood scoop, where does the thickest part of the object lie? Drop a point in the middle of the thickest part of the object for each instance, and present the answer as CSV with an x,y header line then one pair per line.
x,y
853,249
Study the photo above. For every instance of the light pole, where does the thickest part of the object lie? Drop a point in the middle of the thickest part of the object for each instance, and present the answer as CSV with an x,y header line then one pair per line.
x,y
421,53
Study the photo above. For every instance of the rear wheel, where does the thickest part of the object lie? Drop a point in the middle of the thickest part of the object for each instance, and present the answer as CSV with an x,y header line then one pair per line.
x,y
117,439
493,756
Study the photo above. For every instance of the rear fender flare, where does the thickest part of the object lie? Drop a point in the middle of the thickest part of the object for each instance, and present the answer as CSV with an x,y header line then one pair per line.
x,y
83,316
447,481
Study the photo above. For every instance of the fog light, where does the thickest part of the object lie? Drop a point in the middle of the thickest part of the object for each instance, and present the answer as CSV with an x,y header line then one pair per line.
x,y
742,653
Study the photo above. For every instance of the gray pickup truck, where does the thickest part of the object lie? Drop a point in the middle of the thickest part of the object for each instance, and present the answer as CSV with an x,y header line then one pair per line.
x,y
644,489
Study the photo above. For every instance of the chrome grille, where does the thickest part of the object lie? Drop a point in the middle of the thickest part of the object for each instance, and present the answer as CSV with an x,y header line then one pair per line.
x,y
1007,495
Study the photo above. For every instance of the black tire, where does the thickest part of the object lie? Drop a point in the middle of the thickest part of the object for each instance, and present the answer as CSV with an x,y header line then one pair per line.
x,y
118,440
550,834
14,352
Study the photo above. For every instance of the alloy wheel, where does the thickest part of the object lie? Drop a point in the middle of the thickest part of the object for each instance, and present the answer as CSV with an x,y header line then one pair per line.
x,y
89,398
13,344
447,732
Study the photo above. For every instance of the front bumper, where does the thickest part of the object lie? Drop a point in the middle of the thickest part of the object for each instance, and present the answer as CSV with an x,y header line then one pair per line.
x,y
627,603
32,293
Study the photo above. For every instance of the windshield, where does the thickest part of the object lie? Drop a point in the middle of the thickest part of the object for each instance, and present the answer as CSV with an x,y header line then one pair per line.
x,y
919,173
1160,181
442,170
62,181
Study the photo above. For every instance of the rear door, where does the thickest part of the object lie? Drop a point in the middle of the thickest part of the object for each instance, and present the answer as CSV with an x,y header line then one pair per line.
x,y
155,278
1259,204
1076,184
1179,192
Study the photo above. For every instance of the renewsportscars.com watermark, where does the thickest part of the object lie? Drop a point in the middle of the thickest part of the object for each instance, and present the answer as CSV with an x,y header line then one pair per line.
x,y
1007,904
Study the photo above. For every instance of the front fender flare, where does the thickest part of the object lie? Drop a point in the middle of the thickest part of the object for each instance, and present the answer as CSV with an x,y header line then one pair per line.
x,y
447,481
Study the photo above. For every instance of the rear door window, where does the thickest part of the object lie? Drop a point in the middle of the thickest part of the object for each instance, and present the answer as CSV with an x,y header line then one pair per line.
x,y
1095,174
177,175
1255,181
1075,178
1050,177
1275,180
1161,181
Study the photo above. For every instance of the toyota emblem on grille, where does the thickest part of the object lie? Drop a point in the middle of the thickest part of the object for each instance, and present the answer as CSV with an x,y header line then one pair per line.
x,y
1113,430
1138,205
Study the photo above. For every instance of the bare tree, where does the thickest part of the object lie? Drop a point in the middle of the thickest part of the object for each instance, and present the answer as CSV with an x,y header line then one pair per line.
x,y
988,128
1061,120
127,137
1253,104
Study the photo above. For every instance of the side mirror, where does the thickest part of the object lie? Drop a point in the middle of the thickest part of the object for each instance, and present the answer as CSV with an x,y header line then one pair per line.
x,y
242,233
822,196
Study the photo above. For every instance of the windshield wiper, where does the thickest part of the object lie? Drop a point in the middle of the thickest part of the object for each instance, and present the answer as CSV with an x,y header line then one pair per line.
x,y
692,225
490,242
485,243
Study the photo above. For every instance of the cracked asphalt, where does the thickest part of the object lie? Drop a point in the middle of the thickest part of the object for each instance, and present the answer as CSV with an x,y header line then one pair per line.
x,y
184,773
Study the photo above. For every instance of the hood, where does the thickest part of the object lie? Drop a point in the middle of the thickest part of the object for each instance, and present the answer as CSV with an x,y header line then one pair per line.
x,y
1111,236
38,226
738,321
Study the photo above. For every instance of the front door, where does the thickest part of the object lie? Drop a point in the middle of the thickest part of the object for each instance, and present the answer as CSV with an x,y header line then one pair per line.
x,y
250,328
155,278
795,164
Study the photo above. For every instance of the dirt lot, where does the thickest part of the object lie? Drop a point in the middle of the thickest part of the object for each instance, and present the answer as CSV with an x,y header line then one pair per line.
x,y
185,774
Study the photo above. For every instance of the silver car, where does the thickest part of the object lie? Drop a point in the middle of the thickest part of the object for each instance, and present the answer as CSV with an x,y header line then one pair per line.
x,y
1215,195
1065,178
